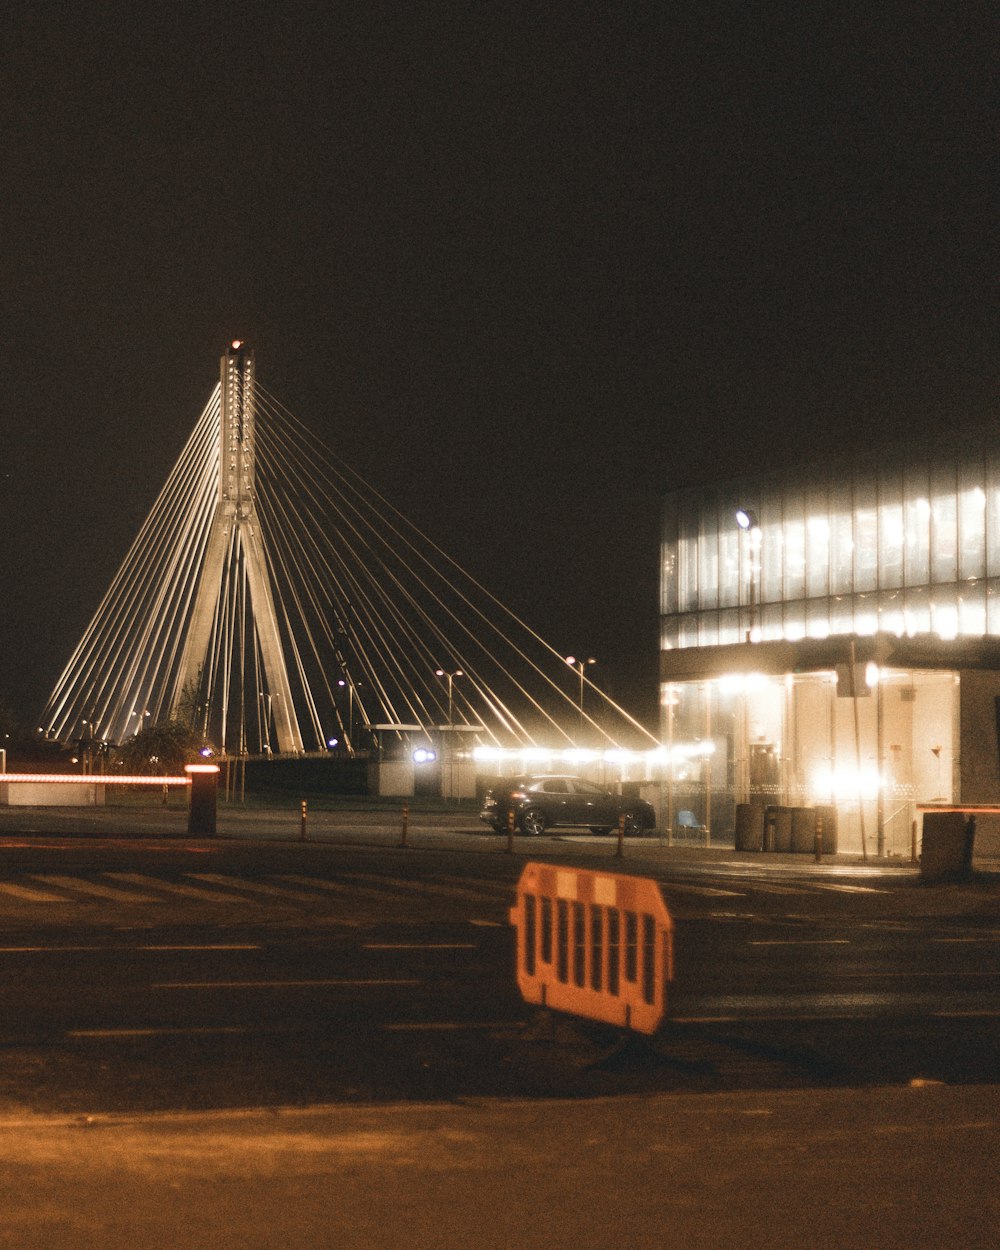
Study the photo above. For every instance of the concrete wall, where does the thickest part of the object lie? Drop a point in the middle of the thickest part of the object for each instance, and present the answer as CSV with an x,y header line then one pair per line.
x,y
42,794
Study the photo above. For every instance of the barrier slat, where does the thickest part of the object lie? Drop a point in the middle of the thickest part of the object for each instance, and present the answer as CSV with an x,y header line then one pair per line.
x,y
594,944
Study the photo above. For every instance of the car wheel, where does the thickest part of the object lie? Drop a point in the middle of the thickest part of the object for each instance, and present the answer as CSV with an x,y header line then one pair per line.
x,y
600,829
533,822
633,825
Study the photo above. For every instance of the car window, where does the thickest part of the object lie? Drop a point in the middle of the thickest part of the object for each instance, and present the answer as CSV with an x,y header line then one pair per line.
x,y
588,787
554,785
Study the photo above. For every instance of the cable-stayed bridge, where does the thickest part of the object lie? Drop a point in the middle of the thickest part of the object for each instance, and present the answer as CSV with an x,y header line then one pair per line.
x,y
280,604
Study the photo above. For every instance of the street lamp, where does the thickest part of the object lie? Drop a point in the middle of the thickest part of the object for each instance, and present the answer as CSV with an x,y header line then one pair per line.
x,y
440,672
342,683
265,716
449,753
580,666
747,521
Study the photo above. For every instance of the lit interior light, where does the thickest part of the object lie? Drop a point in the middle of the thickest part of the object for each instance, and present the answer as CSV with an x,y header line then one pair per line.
x,y
745,519
741,683
487,753
844,783
579,755
424,755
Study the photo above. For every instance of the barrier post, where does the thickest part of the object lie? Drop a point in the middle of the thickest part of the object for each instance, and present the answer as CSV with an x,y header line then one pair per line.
x,y
406,825
913,841
620,852
819,837
510,832
303,833
203,800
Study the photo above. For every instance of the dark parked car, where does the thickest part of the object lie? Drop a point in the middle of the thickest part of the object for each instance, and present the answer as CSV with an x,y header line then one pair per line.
x,y
540,802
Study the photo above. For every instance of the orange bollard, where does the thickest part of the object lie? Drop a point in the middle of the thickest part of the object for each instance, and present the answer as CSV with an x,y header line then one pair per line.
x,y
303,837
510,832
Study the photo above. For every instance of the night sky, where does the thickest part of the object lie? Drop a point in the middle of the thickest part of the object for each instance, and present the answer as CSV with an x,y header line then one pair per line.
x,y
525,266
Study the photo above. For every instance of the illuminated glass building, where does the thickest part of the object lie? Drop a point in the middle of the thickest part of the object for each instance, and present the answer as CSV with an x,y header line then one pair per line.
x,y
837,643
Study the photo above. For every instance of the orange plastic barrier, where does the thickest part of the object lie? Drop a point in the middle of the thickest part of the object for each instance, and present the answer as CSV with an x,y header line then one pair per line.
x,y
595,944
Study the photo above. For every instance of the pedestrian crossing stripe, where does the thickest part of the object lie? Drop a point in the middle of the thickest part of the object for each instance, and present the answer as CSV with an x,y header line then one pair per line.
x,y
294,888
140,888
280,892
80,886
29,895
178,888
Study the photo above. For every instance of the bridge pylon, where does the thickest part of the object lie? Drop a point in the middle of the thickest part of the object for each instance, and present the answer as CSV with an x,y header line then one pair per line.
x,y
236,532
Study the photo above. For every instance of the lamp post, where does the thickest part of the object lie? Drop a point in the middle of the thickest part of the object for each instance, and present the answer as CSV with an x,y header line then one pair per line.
x,y
747,521
265,714
450,677
342,683
450,751
580,666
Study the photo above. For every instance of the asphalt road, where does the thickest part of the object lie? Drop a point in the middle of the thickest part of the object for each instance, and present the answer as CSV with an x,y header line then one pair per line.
x,y
180,1018
170,973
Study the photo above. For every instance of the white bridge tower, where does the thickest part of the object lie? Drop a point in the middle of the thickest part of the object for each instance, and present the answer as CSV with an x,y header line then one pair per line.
x,y
236,530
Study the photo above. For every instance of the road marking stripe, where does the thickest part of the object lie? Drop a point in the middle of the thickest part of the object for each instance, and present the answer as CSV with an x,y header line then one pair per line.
x,y
254,887
419,946
214,946
711,891
28,895
337,887
109,1033
117,949
451,1025
811,1016
800,942
177,887
846,889
79,886
279,985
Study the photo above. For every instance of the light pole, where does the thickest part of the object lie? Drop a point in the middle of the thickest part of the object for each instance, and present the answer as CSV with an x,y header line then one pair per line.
x,y
265,712
580,666
450,751
747,521
350,711
450,677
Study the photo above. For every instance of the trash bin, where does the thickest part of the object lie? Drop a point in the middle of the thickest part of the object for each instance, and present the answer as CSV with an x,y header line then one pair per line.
x,y
827,813
803,830
749,826
778,829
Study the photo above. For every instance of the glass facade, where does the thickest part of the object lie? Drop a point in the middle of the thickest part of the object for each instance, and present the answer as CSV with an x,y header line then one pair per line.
x,y
796,740
906,551
900,561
